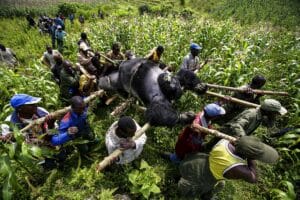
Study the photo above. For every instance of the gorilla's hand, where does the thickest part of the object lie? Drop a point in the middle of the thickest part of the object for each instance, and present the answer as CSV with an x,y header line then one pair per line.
x,y
200,88
187,117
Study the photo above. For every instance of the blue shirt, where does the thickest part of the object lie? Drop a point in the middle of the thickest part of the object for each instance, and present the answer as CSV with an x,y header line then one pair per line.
x,y
69,120
60,34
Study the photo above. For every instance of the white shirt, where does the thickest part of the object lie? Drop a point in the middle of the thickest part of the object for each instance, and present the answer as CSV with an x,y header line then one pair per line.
x,y
112,142
190,62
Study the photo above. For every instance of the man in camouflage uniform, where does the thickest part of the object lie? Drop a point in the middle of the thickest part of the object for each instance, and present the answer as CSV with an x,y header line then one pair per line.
x,y
248,121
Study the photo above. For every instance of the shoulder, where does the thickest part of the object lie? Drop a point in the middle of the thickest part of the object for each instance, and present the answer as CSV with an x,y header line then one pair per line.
x,y
67,117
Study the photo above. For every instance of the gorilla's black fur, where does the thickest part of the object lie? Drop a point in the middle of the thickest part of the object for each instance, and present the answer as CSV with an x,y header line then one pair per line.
x,y
146,81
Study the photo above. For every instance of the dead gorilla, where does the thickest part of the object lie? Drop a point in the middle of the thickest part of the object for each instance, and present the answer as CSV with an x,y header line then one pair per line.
x,y
155,88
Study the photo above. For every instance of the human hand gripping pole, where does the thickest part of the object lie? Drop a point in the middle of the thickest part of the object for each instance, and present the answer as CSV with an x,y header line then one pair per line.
x,y
114,155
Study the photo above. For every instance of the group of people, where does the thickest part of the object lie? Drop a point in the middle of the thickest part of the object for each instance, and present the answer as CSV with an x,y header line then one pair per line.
x,y
203,164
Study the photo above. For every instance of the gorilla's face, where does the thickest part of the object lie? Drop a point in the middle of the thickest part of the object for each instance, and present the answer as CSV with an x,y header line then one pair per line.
x,y
170,86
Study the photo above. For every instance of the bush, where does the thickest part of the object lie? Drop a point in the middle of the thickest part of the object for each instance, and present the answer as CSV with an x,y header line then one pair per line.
x,y
67,8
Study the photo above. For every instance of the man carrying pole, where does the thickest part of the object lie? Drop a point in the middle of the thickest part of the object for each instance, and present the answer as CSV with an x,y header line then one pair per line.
x,y
230,158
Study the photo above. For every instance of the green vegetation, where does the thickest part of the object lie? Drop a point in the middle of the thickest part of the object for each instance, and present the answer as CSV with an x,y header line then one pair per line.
x,y
238,49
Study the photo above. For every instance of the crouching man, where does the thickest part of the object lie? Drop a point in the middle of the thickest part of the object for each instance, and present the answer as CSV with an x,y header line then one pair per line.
x,y
119,136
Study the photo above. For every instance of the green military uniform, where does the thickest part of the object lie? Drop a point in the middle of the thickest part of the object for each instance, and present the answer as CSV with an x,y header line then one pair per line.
x,y
247,122
243,124
69,84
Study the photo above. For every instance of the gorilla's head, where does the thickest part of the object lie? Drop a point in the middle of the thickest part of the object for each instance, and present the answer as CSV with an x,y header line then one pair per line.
x,y
170,86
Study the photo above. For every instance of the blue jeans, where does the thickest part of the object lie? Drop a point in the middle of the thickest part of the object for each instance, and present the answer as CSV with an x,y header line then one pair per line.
x,y
174,159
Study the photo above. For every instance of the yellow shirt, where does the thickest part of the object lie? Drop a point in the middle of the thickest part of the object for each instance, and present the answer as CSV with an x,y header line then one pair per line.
x,y
221,159
83,81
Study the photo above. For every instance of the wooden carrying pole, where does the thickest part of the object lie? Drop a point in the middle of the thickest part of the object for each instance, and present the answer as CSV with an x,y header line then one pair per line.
x,y
108,160
81,68
107,58
213,132
61,111
235,100
122,107
242,90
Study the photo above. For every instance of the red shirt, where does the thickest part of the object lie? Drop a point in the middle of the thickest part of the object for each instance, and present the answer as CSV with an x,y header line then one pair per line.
x,y
190,141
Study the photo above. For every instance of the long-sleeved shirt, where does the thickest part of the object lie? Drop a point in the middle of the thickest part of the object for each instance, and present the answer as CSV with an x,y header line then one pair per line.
x,y
112,142
190,141
71,119
15,119
60,35
245,123
190,62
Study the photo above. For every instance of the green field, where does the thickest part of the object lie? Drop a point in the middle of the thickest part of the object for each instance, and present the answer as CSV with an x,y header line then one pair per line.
x,y
241,39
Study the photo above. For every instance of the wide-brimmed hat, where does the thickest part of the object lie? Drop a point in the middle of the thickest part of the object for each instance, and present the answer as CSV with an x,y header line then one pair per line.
x,y
273,106
252,148
23,99
214,110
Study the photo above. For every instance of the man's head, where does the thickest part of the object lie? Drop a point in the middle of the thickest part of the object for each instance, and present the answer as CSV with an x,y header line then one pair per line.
x,y
49,49
252,148
59,28
58,59
159,50
212,111
77,105
257,82
25,105
83,36
116,47
126,127
195,49
129,55
91,70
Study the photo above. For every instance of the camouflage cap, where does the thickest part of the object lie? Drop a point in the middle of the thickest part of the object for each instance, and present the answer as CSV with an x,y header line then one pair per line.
x,y
273,106
252,148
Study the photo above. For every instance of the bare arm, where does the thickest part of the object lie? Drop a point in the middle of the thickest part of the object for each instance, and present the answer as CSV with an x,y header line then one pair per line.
x,y
244,172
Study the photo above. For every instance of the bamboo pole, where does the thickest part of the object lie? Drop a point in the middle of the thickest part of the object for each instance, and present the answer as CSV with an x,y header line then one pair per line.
x,y
107,58
216,133
108,160
242,90
111,99
235,100
61,111
120,108
81,68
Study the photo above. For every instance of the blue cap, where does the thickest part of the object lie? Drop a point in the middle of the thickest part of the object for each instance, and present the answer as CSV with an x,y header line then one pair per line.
x,y
214,110
23,99
195,46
